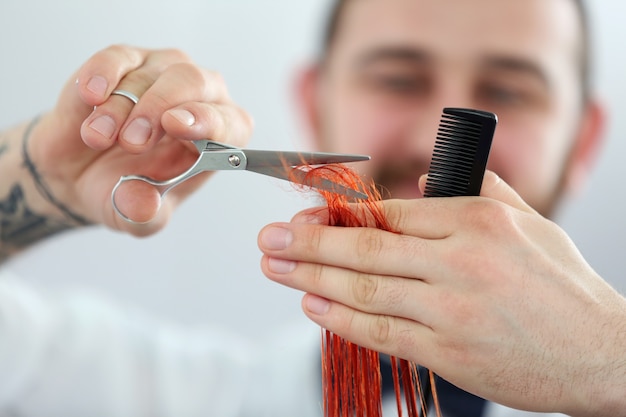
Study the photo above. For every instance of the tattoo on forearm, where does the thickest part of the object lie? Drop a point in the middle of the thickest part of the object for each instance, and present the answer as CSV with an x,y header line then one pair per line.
x,y
41,186
19,226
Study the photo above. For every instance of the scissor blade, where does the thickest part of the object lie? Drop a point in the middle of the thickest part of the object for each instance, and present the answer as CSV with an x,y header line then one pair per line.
x,y
210,145
300,176
277,164
263,158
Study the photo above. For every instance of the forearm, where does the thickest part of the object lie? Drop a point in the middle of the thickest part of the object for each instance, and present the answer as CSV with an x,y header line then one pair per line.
x,y
28,211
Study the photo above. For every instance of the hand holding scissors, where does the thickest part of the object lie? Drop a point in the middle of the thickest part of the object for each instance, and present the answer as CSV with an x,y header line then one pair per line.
x,y
216,156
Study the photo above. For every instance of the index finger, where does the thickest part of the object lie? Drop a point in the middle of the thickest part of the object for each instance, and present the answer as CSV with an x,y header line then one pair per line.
x,y
363,249
426,218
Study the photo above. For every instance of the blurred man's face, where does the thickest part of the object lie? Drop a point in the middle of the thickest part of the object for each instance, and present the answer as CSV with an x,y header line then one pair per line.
x,y
395,64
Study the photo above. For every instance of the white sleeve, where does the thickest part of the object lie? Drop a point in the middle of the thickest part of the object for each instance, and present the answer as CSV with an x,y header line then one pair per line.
x,y
286,374
77,355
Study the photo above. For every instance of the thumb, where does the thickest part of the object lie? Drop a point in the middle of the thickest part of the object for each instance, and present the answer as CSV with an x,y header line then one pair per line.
x,y
494,187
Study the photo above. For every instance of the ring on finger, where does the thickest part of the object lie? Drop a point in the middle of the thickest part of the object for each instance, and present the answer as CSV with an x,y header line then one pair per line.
x,y
124,93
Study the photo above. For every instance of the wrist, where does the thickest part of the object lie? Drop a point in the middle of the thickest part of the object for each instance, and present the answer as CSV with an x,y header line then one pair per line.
x,y
603,390
26,215
44,191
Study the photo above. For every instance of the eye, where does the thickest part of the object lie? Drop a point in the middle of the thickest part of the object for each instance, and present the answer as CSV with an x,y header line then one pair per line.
x,y
399,84
497,94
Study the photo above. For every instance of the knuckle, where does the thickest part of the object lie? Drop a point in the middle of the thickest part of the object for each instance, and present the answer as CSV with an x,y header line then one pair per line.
x,y
109,59
456,351
248,120
369,245
215,86
213,118
490,215
119,49
457,309
187,71
214,77
124,53
176,55
141,77
364,289
235,124
380,330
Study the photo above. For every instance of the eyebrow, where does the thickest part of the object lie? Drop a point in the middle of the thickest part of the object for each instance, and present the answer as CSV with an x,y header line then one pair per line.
x,y
516,65
394,53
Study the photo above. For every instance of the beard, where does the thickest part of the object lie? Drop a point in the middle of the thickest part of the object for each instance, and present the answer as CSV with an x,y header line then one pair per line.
x,y
399,179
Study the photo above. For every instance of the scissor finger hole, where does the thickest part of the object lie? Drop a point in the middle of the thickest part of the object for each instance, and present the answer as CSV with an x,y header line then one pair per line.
x,y
137,201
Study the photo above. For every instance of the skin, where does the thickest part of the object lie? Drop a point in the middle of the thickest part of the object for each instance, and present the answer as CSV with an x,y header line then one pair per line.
x,y
486,291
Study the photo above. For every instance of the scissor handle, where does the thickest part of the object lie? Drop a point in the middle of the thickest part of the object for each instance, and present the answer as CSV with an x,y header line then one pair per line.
x,y
162,187
212,157
158,185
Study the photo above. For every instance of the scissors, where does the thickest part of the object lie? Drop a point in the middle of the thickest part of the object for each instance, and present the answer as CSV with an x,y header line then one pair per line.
x,y
215,156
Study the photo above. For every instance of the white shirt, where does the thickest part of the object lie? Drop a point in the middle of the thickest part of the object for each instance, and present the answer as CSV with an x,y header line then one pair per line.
x,y
75,354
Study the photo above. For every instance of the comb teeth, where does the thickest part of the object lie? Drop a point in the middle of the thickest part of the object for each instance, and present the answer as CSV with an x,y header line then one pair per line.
x,y
461,151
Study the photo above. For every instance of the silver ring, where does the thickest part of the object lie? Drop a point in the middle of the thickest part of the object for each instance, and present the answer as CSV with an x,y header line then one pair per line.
x,y
126,94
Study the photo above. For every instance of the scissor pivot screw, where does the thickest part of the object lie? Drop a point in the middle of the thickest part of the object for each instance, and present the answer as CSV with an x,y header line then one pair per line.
x,y
234,160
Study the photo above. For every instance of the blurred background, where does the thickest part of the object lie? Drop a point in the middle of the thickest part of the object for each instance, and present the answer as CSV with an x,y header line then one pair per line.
x,y
204,267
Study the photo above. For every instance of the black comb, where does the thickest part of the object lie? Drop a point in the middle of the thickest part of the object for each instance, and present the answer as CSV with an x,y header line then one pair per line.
x,y
461,151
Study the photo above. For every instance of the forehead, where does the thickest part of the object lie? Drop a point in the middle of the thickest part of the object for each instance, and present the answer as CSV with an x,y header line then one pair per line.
x,y
544,31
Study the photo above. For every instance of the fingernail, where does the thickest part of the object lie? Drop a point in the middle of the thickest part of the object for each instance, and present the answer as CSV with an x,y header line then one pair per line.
x,y
490,180
184,116
105,125
281,266
138,132
97,85
316,305
276,238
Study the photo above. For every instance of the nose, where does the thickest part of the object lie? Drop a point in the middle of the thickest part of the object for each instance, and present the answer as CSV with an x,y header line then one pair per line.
x,y
423,131
424,125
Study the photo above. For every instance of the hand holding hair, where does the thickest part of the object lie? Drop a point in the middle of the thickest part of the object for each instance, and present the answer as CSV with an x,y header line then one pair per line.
x,y
482,290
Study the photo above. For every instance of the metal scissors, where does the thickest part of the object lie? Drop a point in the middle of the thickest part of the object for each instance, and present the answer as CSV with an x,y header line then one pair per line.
x,y
215,156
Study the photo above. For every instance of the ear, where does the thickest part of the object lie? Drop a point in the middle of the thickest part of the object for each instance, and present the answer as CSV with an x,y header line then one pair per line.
x,y
586,149
307,98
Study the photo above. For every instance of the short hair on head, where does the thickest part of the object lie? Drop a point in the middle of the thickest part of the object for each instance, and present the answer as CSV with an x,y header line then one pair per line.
x,y
338,6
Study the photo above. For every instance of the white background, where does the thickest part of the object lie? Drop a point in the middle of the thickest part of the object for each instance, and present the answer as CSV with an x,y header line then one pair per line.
x,y
204,266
